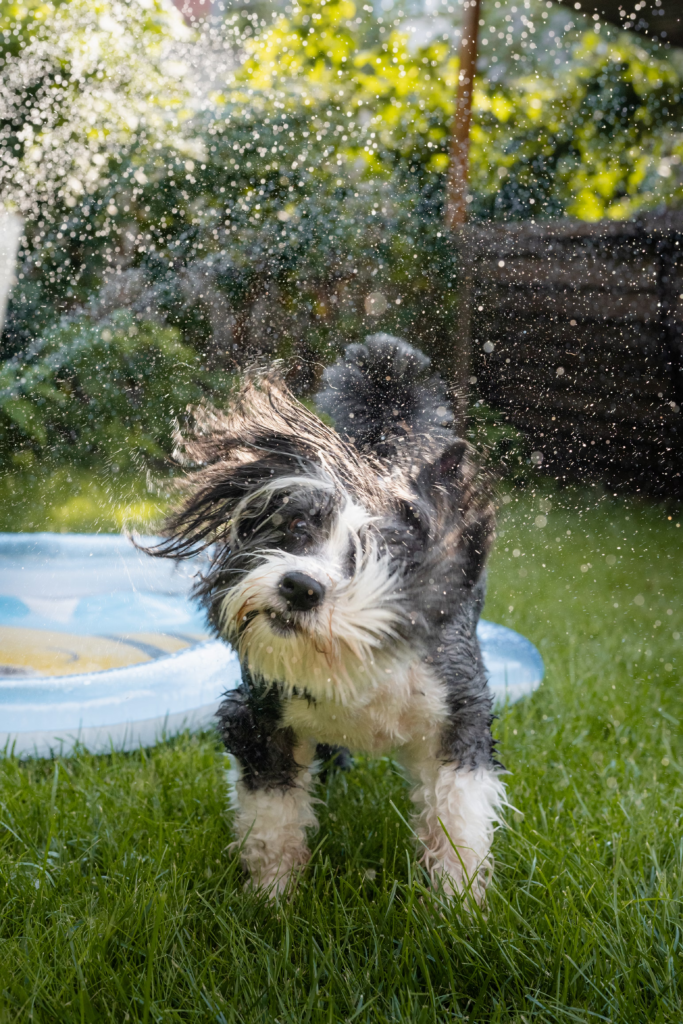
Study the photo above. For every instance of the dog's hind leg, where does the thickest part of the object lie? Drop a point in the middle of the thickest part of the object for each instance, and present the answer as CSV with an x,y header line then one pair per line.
x,y
271,787
332,759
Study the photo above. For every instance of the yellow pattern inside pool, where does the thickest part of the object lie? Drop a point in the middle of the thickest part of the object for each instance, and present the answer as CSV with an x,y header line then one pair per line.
x,y
42,652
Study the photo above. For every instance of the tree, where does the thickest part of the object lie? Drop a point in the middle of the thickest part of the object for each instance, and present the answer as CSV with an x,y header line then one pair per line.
x,y
313,178
602,139
90,88
82,80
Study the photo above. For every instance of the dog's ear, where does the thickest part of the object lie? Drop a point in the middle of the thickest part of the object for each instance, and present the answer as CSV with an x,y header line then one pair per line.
x,y
461,491
476,542
211,496
447,470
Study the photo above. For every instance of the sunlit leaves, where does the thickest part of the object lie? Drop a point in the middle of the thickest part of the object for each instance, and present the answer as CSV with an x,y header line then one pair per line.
x,y
321,157
601,139
81,80
315,42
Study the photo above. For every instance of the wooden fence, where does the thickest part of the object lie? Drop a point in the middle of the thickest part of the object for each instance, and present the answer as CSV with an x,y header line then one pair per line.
x,y
577,339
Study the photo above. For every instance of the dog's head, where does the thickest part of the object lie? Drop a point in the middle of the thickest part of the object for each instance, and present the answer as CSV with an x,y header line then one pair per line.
x,y
324,561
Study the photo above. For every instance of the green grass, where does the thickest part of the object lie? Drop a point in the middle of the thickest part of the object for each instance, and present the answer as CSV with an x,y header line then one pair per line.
x,y
71,499
122,901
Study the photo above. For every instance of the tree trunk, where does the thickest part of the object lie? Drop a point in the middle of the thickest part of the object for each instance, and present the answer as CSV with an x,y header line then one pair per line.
x,y
458,170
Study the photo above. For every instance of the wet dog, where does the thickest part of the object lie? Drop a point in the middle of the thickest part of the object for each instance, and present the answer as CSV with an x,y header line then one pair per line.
x,y
347,568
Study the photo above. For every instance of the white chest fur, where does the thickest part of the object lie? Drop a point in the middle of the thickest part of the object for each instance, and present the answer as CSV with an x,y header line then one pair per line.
x,y
403,704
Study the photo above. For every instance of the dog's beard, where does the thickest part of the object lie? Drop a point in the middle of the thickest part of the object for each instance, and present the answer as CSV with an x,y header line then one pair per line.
x,y
329,652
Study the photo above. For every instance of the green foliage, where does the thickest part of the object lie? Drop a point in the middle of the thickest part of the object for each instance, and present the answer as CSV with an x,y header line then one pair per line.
x,y
501,448
598,139
122,896
303,205
283,205
317,56
104,391
89,89
365,123
81,80
601,139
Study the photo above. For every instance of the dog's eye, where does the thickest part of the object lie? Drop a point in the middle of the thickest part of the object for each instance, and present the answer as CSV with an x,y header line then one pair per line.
x,y
298,526
412,516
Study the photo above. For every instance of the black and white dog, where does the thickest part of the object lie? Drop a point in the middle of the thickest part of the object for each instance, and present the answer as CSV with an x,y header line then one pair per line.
x,y
347,569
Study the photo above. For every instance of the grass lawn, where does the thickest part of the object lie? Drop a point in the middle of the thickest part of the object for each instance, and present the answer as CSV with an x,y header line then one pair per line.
x,y
121,901
68,499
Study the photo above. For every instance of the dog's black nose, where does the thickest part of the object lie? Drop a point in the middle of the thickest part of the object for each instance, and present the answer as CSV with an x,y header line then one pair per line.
x,y
300,591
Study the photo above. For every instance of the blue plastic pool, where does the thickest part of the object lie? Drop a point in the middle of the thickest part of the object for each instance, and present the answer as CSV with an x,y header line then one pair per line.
x,y
102,645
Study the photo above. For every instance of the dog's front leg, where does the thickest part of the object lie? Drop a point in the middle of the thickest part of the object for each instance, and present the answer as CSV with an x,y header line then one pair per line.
x,y
271,825
271,792
456,811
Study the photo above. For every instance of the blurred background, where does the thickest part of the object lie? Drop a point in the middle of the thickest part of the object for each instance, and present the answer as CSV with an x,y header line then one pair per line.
x,y
197,187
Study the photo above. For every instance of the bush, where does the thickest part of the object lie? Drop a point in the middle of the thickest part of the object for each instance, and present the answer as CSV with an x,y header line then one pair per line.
x,y
262,238
104,391
315,177
82,80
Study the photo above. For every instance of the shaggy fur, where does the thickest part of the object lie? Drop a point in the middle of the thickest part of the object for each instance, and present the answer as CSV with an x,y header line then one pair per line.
x,y
347,568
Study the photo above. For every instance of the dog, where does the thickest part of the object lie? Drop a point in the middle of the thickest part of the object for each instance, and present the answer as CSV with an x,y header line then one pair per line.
x,y
347,569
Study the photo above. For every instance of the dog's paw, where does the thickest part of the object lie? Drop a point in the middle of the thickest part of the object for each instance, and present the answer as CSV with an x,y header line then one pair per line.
x,y
461,873
277,880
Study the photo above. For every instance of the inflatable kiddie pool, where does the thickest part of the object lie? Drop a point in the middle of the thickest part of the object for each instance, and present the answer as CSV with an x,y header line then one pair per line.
x,y
101,645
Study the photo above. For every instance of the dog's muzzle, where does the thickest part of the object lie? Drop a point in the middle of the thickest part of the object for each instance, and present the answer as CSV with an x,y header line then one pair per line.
x,y
301,592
